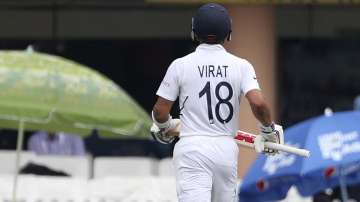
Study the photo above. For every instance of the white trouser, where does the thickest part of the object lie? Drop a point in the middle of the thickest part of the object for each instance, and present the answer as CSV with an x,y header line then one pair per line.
x,y
206,169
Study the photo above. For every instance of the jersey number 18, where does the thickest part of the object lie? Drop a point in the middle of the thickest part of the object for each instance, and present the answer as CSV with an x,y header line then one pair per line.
x,y
225,101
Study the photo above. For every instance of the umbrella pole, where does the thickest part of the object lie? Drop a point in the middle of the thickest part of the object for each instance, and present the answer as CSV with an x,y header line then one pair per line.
x,y
19,144
343,190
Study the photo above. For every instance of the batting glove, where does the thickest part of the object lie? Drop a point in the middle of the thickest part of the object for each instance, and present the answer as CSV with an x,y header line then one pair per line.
x,y
273,133
159,131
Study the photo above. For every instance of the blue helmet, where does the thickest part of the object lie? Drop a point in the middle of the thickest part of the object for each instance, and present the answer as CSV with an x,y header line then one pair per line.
x,y
211,24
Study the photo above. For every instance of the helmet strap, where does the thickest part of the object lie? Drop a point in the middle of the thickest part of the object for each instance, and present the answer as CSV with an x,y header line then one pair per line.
x,y
229,36
192,30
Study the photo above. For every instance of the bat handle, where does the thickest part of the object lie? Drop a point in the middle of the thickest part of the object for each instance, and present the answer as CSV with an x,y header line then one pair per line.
x,y
280,147
288,149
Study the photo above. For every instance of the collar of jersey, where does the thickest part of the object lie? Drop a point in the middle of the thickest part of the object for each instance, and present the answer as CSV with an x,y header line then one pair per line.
x,y
205,46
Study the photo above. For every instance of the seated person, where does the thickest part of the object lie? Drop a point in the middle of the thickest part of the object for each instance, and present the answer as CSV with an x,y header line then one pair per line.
x,y
58,143
357,103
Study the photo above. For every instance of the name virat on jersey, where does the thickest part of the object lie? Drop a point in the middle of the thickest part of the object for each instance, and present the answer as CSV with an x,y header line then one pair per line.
x,y
207,71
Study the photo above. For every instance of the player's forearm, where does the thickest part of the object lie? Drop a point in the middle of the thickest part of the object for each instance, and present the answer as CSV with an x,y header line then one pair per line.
x,y
159,115
161,110
259,107
262,112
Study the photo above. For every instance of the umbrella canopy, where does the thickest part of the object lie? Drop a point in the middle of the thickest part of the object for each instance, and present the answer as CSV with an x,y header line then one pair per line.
x,y
55,94
44,92
334,142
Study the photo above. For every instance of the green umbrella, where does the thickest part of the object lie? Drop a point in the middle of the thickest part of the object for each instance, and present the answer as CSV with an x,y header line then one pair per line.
x,y
52,93
45,92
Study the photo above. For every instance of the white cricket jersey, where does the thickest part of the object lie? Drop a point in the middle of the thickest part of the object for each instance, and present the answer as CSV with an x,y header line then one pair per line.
x,y
209,83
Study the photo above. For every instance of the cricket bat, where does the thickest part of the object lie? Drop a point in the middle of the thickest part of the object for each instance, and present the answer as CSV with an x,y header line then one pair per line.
x,y
247,139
